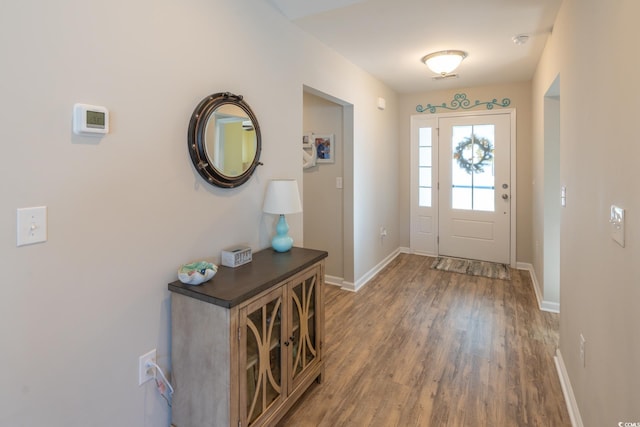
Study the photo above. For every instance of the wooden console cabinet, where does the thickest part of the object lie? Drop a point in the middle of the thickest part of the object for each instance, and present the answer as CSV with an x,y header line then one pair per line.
x,y
248,343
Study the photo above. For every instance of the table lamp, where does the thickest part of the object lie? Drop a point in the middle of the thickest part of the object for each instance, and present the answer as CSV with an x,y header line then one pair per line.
x,y
282,198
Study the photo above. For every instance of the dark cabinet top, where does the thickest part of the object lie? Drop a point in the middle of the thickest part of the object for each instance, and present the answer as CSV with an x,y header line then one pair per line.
x,y
231,286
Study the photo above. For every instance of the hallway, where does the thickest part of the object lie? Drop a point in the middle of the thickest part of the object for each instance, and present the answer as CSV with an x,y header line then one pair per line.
x,y
420,347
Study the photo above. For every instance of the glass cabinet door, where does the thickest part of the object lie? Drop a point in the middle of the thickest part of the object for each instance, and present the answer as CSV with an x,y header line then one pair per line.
x,y
304,339
261,326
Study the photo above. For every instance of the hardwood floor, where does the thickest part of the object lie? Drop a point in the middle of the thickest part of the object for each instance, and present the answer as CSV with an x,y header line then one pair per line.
x,y
420,347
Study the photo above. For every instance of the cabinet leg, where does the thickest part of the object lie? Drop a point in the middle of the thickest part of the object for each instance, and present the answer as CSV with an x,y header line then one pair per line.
x,y
320,375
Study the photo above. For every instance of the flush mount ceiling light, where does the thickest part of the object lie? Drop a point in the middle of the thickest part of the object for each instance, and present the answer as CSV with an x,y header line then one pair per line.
x,y
445,61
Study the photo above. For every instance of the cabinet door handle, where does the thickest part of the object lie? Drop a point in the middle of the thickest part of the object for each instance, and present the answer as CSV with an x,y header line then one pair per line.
x,y
286,343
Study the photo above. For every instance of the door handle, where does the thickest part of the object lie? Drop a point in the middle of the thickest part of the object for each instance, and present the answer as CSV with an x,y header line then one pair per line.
x,y
505,196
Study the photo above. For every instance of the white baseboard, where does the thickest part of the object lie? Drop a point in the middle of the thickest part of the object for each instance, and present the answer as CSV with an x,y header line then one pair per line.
x,y
405,250
567,390
552,307
333,280
375,270
338,281
355,287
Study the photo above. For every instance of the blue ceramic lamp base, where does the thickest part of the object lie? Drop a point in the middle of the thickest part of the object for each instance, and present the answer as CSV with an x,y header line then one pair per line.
x,y
281,242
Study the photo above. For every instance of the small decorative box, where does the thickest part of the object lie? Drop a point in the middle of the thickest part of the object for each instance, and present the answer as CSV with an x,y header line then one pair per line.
x,y
236,256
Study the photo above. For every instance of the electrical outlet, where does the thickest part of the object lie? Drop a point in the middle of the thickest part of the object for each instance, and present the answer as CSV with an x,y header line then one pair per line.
x,y
146,373
583,343
617,224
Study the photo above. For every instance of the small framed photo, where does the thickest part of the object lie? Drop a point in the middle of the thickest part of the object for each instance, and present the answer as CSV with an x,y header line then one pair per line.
x,y
325,148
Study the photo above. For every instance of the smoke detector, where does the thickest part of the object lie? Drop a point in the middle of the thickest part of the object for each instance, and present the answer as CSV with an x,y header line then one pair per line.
x,y
520,39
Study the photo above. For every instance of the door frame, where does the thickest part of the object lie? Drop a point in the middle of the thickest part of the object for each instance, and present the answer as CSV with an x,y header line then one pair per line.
x,y
436,178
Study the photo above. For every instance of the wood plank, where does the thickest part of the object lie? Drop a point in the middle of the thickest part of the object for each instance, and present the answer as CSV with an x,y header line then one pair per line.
x,y
420,347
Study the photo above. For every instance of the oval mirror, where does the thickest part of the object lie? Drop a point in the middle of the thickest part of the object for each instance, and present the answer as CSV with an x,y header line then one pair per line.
x,y
224,140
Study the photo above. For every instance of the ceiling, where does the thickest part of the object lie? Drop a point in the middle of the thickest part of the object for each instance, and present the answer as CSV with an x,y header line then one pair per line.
x,y
387,38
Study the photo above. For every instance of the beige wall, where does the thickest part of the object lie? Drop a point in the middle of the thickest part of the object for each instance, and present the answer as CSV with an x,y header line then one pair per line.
x,y
323,205
371,184
126,210
520,96
592,49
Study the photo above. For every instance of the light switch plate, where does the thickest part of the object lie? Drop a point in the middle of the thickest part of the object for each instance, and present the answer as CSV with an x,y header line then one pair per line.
x,y
31,225
617,224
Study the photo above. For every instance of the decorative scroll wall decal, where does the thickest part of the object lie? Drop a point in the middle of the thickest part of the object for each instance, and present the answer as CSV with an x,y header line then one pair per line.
x,y
460,101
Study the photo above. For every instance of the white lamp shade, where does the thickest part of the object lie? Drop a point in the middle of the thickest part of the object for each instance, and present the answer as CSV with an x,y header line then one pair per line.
x,y
282,197
444,62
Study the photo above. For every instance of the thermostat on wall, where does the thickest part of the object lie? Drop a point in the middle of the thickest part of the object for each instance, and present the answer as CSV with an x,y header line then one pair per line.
x,y
90,120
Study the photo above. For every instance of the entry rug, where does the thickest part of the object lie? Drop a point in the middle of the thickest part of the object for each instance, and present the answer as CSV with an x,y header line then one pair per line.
x,y
473,268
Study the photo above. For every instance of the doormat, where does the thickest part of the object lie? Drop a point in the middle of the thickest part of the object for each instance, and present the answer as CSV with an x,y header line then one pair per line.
x,y
473,268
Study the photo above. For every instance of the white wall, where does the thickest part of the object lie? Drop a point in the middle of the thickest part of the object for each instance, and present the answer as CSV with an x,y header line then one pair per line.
x,y
126,210
593,50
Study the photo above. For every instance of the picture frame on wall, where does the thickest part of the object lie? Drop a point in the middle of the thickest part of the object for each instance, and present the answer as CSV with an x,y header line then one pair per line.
x,y
325,148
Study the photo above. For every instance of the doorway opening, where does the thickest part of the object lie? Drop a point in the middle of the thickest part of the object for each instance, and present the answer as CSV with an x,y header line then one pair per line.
x,y
327,186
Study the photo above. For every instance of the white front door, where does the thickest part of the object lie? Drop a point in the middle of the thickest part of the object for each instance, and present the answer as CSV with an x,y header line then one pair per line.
x,y
474,201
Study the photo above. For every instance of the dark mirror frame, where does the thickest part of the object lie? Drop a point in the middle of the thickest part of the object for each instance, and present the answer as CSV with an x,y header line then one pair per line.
x,y
197,142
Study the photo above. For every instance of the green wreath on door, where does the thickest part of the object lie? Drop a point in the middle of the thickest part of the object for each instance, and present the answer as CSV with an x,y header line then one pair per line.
x,y
481,154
